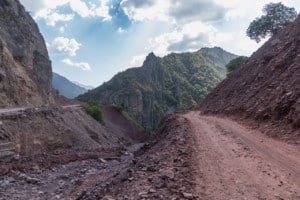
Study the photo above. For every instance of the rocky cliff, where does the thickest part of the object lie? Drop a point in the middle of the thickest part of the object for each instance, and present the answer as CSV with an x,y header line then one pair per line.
x,y
267,86
163,85
30,121
25,72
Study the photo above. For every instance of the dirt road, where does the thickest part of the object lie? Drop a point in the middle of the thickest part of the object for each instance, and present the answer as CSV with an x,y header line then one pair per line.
x,y
191,157
232,162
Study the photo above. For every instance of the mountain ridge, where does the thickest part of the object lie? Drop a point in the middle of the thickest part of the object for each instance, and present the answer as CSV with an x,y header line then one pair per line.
x,y
163,85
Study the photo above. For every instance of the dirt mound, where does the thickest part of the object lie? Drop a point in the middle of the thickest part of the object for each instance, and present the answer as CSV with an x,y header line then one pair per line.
x,y
64,101
122,126
266,87
38,130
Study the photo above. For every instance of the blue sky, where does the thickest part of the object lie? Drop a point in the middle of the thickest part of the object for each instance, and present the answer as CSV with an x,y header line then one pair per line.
x,y
89,41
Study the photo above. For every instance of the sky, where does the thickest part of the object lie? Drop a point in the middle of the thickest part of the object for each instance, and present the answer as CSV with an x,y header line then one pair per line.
x,y
89,41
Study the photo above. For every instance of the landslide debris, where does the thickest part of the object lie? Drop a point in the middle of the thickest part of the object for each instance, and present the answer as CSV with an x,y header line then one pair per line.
x,y
122,126
160,169
266,88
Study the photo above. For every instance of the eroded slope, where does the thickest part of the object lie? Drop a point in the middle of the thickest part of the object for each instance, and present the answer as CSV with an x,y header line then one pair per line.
x,y
266,87
25,70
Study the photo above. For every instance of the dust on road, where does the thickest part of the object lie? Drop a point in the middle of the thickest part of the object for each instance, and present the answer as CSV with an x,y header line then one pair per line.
x,y
233,162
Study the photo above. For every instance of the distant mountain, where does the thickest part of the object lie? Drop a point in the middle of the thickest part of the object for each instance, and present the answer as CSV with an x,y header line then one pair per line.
x,y
175,82
88,87
66,87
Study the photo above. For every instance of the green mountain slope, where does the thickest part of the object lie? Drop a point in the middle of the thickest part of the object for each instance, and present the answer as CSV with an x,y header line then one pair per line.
x,y
175,82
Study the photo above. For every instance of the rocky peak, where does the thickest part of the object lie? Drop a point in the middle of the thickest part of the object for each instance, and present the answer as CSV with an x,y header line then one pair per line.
x,y
151,59
25,66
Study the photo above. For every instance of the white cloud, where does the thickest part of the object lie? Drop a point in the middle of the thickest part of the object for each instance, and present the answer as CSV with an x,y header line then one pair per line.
x,y
82,9
174,10
36,6
62,29
196,10
81,65
190,37
139,11
47,9
120,30
103,10
65,46
52,17
137,61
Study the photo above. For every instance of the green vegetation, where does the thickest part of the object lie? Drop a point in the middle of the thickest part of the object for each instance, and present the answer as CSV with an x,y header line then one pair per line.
x,y
235,63
1,77
276,16
176,82
92,108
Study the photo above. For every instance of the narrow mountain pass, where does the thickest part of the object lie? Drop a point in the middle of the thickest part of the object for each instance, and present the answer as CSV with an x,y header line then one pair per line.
x,y
234,162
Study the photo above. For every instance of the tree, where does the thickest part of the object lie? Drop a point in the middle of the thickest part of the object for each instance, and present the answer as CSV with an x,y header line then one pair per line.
x,y
276,16
92,108
235,63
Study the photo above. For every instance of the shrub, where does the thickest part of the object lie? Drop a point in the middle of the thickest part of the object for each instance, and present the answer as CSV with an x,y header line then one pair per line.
x,y
235,63
92,108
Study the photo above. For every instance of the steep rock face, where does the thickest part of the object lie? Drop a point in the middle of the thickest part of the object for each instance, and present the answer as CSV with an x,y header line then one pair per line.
x,y
163,85
267,86
25,71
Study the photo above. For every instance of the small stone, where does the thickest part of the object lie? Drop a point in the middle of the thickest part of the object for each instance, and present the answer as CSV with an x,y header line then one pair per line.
x,y
150,179
29,179
16,156
11,180
103,160
64,177
4,184
152,191
143,194
124,176
167,174
151,169
187,195
144,169
32,180
108,198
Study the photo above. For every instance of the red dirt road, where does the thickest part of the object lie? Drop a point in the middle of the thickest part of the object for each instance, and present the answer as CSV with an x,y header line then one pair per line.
x,y
232,162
